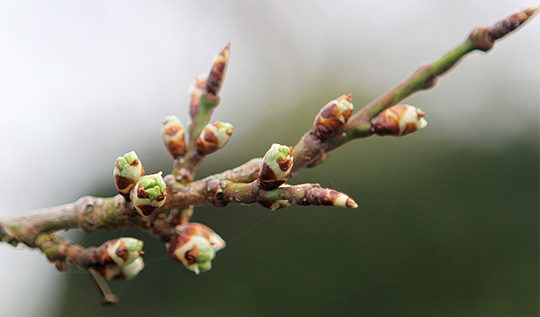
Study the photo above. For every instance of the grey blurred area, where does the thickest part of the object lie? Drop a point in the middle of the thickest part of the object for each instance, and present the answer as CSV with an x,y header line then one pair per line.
x,y
448,216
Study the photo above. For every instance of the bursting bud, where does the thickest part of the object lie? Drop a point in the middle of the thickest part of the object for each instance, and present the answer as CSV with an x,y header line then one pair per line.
x,y
399,120
149,194
117,272
195,245
276,166
213,137
172,132
333,117
120,258
127,172
217,73
123,251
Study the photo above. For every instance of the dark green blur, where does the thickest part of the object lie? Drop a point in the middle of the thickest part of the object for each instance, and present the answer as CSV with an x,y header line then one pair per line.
x,y
442,230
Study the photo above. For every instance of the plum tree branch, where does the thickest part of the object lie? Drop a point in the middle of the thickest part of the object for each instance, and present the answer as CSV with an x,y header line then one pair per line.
x,y
163,206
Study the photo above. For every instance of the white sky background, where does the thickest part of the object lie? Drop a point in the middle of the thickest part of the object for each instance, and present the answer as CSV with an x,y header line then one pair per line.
x,y
84,82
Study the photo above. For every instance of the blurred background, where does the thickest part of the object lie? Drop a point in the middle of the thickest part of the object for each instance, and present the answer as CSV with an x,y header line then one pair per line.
x,y
448,216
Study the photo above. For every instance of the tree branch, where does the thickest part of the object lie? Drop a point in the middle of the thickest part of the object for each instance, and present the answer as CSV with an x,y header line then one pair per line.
x,y
314,151
163,206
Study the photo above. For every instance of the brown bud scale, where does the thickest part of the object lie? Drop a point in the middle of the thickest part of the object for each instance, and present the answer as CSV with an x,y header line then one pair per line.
x,y
399,120
284,163
123,183
192,255
509,24
333,117
215,78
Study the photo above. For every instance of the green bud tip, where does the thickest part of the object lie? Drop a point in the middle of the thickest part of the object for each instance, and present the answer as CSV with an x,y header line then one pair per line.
x,y
153,185
133,245
207,253
122,161
224,131
277,151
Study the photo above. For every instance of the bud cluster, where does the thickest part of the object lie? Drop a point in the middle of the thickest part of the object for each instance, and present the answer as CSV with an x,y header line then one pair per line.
x,y
399,120
333,117
120,259
276,166
146,193
195,245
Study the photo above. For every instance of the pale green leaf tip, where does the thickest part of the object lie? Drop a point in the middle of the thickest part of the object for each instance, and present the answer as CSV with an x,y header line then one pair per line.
x,y
126,159
277,151
153,184
132,244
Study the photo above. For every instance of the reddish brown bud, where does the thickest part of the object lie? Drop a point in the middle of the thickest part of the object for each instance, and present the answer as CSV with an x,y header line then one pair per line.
x,y
276,166
512,22
333,117
172,132
215,78
329,197
399,120
121,251
195,245
213,137
127,172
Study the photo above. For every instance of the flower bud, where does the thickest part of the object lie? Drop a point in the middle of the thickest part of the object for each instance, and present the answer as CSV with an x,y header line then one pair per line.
x,y
123,251
197,229
215,78
172,132
276,166
329,197
127,172
213,137
399,120
196,90
275,204
149,194
196,253
333,117
117,272
195,245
